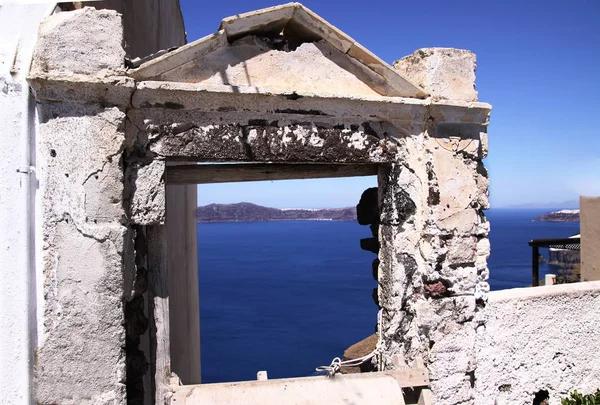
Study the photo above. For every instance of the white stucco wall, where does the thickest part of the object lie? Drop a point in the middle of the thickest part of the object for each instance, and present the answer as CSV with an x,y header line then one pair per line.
x,y
18,329
543,338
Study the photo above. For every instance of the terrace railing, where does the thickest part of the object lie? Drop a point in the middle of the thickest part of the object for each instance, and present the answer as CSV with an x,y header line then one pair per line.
x,y
536,244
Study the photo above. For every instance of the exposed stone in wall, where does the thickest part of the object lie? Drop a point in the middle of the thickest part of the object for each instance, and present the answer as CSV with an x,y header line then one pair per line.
x,y
433,272
445,323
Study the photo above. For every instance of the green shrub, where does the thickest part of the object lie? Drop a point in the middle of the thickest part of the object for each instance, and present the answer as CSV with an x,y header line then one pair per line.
x,y
580,399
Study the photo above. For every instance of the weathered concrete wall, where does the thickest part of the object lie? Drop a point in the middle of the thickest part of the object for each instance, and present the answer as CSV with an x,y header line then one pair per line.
x,y
533,339
18,323
85,243
83,254
590,238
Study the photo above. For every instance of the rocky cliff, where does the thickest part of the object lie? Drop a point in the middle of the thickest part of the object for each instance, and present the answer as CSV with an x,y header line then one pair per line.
x,y
560,216
248,212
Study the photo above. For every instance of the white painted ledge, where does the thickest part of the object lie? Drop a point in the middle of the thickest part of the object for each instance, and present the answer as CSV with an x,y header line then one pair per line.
x,y
586,287
381,388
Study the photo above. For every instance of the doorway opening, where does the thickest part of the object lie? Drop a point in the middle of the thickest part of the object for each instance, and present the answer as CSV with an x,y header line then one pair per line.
x,y
284,288
284,284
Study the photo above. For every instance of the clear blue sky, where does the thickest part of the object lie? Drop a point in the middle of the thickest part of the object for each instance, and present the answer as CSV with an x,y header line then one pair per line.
x,y
538,65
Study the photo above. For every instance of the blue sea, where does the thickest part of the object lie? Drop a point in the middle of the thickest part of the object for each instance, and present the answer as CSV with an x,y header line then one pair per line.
x,y
289,296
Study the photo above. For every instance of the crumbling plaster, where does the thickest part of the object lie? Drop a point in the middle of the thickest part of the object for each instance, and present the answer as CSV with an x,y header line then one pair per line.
x,y
106,139
84,239
533,339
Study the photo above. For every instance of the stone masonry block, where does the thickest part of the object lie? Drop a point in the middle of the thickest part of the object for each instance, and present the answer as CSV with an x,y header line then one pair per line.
x,y
85,41
462,250
445,73
148,199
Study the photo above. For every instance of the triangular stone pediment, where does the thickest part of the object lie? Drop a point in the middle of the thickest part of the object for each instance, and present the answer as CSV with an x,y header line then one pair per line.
x,y
280,49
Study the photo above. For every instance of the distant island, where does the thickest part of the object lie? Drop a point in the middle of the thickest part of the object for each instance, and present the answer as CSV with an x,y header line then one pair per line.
x,y
248,212
560,216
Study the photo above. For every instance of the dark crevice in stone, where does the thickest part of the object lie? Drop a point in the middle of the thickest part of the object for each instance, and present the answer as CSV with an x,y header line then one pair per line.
x,y
409,264
136,324
369,130
440,262
434,196
455,266
245,144
434,191
258,122
135,360
541,397
279,42
293,96
169,105
472,378
299,112
397,206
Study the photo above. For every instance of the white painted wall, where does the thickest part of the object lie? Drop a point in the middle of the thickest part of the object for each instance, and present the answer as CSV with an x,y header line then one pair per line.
x,y
543,338
18,329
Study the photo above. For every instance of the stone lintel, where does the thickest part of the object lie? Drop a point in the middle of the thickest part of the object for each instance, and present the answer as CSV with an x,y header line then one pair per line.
x,y
112,91
264,141
191,96
123,91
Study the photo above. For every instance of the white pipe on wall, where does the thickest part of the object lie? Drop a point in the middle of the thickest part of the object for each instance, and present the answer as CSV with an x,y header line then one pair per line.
x,y
18,320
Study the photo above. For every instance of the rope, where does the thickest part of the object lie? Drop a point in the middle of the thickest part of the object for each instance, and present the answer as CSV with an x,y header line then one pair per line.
x,y
337,363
